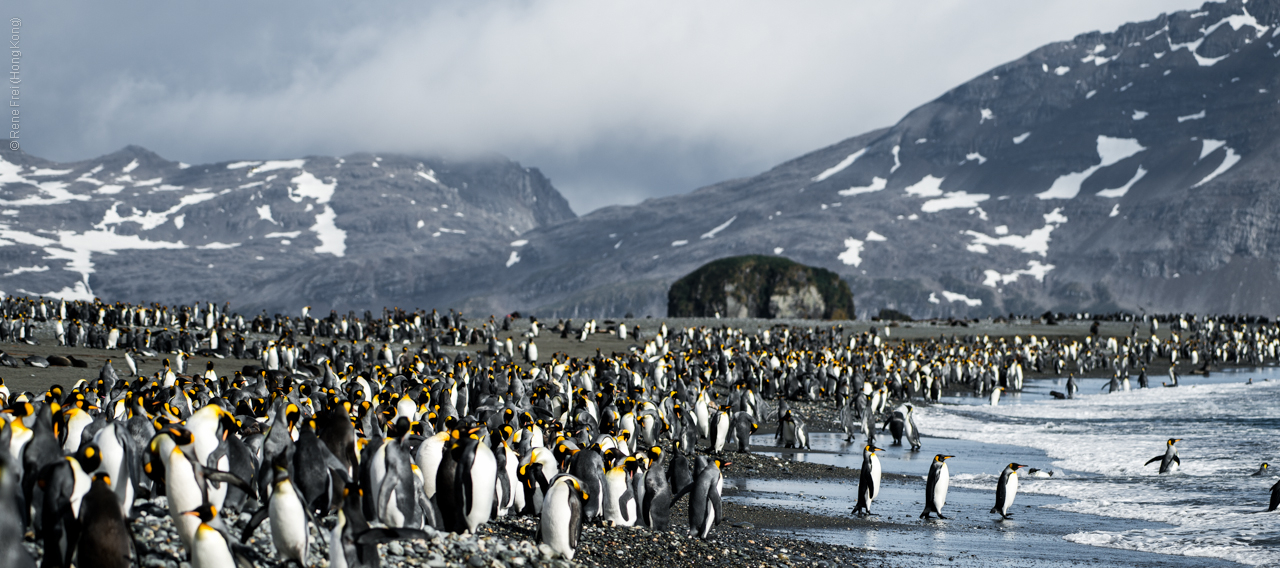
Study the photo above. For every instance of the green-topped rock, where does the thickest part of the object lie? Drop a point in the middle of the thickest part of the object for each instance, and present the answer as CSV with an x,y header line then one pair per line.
x,y
758,286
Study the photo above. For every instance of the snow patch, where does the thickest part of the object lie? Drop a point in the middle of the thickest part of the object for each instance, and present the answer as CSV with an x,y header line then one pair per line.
x,y
933,298
25,269
928,187
1110,150
264,213
514,258
43,172
896,162
1208,146
429,175
873,236
956,297
1035,242
238,165
986,115
150,219
1139,114
1230,160
1060,71
1115,210
278,165
218,246
1120,191
519,243
777,250
308,185
954,200
1021,137
877,184
1196,116
332,239
712,233
288,235
679,243
833,170
852,252
110,189
1034,269
130,167
975,156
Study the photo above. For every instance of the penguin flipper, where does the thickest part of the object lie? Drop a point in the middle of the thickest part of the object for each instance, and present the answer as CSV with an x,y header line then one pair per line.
x,y
714,497
232,479
257,518
1154,460
1177,460
388,534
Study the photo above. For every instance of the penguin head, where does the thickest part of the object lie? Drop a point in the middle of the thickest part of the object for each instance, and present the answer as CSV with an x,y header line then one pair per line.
x,y
1016,466
872,449
89,457
205,512
941,458
1172,441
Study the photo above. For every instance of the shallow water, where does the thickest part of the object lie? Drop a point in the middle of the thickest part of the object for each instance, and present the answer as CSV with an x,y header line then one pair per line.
x,y
1100,494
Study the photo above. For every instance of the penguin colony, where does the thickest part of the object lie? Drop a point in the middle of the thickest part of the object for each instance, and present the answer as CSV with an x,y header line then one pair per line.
x,y
391,443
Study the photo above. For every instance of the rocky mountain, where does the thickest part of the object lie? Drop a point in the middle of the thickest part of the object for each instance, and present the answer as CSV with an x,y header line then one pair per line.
x,y
352,232
757,286
1135,169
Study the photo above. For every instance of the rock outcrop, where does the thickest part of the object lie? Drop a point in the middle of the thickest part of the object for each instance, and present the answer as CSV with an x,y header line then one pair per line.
x,y
760,287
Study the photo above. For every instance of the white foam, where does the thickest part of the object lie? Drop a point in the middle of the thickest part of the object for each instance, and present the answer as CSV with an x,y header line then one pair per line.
x,y
1227,162
307,185
1120,191
852,252
1196,116
1034,269
712,233
877,184
957,297
332,239
954,200
873,236
514,258
1110,150
928,187
218,246
833,170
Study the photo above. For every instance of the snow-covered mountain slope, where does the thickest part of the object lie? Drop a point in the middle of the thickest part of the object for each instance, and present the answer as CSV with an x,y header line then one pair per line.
x,y
1134,169
345,232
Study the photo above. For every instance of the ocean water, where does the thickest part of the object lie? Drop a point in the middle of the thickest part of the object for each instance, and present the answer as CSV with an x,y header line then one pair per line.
x,y
1097,444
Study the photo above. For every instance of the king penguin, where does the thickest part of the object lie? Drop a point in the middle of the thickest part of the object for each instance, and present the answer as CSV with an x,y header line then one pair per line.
x,y
620,502
12,553
1006,490
935,489
868,480
1275,497
657,493
104,538
1169,460
704,503
560,524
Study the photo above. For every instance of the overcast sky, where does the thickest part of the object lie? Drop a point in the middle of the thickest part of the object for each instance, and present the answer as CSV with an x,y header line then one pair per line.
x,y
614,101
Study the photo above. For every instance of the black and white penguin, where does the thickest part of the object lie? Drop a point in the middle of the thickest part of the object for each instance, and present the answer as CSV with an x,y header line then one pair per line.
x,y
1264,469
704,503
935,488
995,395
868,480
794,432
104,533
560,524
588,466
1006,490
12,553
1275,497
656,507
1072,387
721,425
620,507
1169,460
743,427
352,544
119,459
912,433
288,519
212,547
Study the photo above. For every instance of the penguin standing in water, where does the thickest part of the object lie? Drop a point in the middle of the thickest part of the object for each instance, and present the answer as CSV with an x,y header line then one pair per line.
x,y
1275,497
560,525
743,427
1006,490
995,395
1169,460
868,481
704,503
104,540
794,432
935,489
1072,387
